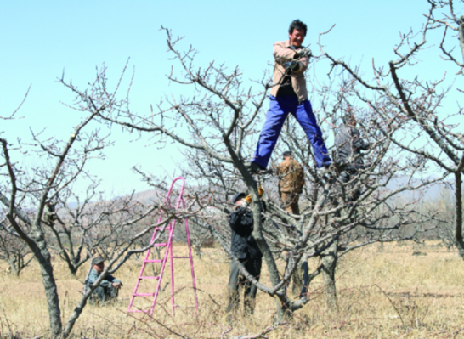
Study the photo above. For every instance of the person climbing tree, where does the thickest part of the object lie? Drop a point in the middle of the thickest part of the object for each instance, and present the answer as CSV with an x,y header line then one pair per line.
x,y
289,95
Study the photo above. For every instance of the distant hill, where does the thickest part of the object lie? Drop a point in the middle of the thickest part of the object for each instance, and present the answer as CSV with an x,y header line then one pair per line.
x,y
432,192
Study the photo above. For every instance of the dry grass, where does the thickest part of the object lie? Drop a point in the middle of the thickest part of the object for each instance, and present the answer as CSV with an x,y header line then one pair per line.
x,y
384,292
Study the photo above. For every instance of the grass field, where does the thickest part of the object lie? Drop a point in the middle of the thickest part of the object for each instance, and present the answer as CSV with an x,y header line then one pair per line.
x,y
384,292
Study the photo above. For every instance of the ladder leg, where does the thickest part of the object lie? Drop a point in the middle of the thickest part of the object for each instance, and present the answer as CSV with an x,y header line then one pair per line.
x,y
141,272
187,232
169,251
172,268
163,264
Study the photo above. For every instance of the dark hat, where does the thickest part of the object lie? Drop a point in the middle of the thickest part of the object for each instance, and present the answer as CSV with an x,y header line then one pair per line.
x,y
239,196
287,153
97,260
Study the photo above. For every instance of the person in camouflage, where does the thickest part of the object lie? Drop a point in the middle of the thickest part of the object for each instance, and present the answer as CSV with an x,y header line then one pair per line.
x,y
109,287
291,182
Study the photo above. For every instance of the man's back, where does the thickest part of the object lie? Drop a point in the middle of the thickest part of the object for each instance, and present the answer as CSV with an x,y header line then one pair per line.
x,y
292,176
349,144
242,242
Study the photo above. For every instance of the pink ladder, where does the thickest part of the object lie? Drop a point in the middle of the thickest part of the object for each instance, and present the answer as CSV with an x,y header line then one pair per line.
x,y
169,250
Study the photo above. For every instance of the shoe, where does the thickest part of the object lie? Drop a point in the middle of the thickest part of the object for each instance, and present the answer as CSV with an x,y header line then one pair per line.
x,y
253,167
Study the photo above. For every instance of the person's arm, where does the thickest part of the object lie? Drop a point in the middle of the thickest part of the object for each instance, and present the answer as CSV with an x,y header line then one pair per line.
x,y
112,279
93,276
303,64
238,219
358,143
283,54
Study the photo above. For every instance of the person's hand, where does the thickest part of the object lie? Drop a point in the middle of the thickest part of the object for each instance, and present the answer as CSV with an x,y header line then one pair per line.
x,y
304,52
117,285
244,204
292,65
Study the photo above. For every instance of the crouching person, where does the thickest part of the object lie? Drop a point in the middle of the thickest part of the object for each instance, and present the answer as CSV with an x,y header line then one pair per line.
x,y
246,250
108,288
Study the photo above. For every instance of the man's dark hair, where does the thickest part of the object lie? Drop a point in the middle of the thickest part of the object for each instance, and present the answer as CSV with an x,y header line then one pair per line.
x,y
287,153
299,26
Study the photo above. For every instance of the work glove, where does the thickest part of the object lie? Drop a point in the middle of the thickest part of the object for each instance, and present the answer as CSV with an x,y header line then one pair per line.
x,y
304,52
243,205
248,198
292,65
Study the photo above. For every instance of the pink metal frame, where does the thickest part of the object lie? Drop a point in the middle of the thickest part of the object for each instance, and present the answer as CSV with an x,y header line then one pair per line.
x,y
169,249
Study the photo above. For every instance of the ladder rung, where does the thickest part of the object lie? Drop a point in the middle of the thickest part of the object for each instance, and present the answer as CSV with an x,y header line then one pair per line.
x,y
152,261
144,295
180,257
160,228
160,244
149,278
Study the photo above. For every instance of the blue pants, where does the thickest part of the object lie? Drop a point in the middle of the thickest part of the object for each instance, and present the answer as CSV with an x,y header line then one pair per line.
x,y
275,118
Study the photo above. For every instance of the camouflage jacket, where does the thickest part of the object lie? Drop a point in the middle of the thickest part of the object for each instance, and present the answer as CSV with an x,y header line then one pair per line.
x,y
291,176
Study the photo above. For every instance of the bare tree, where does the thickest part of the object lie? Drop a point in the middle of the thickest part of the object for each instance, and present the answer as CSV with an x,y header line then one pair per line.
x,y
30,197
216,125
14,251
412,105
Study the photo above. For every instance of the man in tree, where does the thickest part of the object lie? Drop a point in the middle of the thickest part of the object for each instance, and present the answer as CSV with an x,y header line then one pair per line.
x,y
291,182
349,146
289,95
109,287
244,247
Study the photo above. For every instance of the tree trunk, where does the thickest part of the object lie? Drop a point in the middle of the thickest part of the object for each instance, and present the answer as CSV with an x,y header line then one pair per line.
x,y
297,280
48,280
458,211
197,250
297,276
329,265
73,270
14,269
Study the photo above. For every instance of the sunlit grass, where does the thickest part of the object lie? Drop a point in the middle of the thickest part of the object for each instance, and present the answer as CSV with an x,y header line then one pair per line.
x,y
383,292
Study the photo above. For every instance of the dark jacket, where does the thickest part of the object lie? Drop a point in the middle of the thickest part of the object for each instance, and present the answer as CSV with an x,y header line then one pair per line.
x,y
349,145
242,243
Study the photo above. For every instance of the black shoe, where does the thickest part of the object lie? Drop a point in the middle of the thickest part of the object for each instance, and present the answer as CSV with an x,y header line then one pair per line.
x,y
253,167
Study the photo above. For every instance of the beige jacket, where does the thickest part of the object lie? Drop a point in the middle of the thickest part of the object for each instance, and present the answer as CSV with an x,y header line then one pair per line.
x,y
292,176
283,53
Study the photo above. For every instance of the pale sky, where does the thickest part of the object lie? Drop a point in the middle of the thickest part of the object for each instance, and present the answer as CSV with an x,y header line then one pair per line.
x,y
39,39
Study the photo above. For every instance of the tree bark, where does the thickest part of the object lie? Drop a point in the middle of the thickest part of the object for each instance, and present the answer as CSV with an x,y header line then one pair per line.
x,y
458,211
48,279
296,279
328,266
